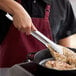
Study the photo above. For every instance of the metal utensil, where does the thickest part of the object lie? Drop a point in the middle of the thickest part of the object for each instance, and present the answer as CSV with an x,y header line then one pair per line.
x,y
38,35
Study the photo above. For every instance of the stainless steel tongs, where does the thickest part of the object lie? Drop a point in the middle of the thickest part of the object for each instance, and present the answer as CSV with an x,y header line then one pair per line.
x,y
38,35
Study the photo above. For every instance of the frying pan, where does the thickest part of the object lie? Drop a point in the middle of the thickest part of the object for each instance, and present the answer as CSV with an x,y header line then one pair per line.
x,y
45,54
33,67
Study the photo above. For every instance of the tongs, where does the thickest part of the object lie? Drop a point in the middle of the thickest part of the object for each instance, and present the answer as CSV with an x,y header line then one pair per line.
x,y
42,38
38,35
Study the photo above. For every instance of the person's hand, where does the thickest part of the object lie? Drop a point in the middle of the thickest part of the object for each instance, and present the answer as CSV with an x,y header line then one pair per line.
x,y
21,19
23,22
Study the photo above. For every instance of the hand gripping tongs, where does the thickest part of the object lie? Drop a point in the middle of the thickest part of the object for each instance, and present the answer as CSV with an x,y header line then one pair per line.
x,y
38,35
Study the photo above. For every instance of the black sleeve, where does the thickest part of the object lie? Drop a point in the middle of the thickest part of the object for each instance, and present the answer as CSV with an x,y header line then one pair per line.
x,y
69,24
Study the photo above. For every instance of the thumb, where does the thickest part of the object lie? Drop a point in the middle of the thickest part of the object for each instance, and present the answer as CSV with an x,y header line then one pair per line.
x,y
33,28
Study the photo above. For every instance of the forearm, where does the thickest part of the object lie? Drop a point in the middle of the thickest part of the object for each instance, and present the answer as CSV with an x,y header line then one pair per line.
x,y
11,7
21,19
69,41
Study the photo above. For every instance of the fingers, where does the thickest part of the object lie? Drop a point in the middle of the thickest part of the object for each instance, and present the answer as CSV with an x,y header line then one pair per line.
x,y
24,25
33,28
26,29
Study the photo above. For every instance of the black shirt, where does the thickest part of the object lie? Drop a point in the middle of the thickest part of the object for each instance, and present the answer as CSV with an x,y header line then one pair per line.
x,y
61,17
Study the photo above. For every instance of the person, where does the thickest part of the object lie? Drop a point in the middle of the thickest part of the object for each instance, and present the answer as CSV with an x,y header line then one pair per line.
x,y
54,18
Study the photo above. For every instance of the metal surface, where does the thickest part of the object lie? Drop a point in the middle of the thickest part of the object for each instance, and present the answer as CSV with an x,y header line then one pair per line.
x,y
38,35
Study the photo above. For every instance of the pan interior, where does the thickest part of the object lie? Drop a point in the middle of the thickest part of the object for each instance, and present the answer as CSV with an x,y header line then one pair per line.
x,y
42,63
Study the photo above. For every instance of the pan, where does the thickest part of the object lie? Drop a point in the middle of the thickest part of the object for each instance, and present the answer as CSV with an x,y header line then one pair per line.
x,y
34,67
44,55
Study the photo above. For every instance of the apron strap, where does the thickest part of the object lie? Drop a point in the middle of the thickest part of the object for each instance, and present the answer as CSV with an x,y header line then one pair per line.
x,y
47,11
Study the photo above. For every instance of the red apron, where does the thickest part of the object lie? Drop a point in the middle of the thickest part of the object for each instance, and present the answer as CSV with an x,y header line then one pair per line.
x,y
17,45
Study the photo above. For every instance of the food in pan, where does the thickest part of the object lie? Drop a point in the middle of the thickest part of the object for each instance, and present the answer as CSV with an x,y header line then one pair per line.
x,y
71,56
56,55
64,61
59,65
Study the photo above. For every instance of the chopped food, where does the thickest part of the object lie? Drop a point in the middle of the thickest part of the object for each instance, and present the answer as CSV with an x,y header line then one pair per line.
x,y
65,61
70,55
56,55
59,65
